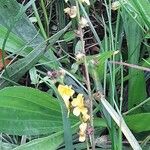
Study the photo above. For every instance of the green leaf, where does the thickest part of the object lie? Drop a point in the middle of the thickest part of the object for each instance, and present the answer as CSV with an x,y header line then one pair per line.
x,y
137,85
69,36
78,47
24,29
138,122
19,68
47,143
7,146
14,43
27,111
142,8
99,63
33,76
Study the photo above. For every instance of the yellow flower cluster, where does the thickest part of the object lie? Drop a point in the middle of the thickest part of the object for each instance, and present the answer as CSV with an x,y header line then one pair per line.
x,y
79,108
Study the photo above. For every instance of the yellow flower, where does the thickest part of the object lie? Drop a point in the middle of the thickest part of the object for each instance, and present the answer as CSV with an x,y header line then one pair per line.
x,y
78,103
86,1
85,117
82,132
66,92
72,12
82,136
83,126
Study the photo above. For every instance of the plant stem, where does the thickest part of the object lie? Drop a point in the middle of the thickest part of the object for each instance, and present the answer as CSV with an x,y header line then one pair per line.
x,y
45,16
39,21
87,82
132,109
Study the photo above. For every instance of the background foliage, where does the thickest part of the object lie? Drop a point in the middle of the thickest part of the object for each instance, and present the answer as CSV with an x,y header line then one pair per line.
x,y
39,49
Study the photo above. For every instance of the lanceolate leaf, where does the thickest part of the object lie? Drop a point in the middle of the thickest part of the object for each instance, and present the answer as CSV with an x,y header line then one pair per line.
x,y
137,86
10,17
27,111
19,68
26,31
142,8
138,122
47,143
97,68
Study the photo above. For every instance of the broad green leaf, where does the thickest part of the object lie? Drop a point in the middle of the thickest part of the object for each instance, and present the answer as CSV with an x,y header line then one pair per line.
x,y
19,68
137,86
23,28
27,111
51,142
26,31
14,44
7,146
24,36
138,122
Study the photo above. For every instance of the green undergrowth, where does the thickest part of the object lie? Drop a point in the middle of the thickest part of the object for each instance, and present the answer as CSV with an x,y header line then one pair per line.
x,y
98,52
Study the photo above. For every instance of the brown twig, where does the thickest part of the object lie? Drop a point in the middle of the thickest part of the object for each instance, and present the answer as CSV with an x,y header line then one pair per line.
x,y
130,65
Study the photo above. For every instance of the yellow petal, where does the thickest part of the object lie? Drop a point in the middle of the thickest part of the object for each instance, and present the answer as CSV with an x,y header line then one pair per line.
x,y
65,91
84,110
85,117
76,111
74,103
83,127
78,101
82,137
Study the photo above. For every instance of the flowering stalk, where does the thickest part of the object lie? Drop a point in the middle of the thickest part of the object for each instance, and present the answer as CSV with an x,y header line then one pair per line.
x,y
87,79
79,108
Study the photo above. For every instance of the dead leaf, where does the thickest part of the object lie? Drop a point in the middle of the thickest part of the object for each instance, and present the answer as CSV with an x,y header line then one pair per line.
x,y
7,61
